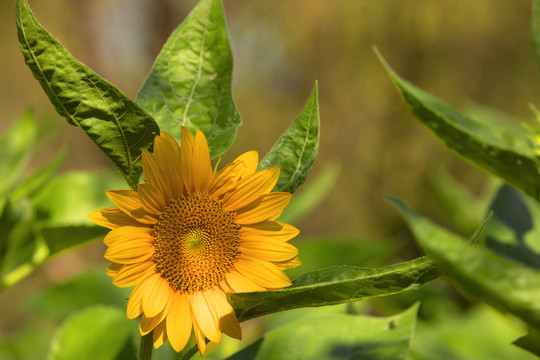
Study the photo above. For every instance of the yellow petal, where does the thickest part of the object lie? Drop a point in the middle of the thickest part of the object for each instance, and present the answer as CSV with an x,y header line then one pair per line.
x,y
179,321
159,335
274,230
225,313
113,218
113,269
129,202
167,158
148,324
205,316
226,179
155,295
250,160
262,272
289,264
251,188
269,207
201,165
151,198
239,283
126,233
186,154
133,274
131,251
134,306
199,336
270,250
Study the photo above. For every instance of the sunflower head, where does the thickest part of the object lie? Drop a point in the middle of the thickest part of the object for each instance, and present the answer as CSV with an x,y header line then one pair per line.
x,y
188,235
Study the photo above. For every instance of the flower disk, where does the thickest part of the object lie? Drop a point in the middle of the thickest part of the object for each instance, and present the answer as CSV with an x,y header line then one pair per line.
x,y
196,243
188,236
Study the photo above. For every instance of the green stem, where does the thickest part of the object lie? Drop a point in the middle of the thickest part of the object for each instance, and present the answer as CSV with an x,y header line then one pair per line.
x,y
147,345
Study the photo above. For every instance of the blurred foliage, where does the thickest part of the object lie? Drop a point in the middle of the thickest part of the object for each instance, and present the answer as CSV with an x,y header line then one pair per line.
x,y
456,49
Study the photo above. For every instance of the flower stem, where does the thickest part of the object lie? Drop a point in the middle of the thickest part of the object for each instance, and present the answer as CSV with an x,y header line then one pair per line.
x,y
145,351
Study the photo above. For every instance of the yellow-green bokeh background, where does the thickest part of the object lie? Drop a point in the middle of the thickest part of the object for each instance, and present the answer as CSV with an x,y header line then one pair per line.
x,y
459,50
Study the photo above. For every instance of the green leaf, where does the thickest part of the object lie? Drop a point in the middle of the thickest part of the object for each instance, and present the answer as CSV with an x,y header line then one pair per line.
x,y
480,273
514,231
336,337
530,342
335,285
116,124
504,149
96,333
16,146
63,238
190,82
295,151
536,28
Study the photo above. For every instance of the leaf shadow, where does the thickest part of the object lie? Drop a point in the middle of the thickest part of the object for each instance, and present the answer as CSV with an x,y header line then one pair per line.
x,y
511,210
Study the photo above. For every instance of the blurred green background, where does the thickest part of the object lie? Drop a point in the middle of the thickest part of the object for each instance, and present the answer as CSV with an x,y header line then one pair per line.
x,y
463,52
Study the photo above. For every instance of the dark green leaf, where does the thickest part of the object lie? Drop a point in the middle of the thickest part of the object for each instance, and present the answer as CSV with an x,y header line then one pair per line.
x,y
335,285
504,149
62,238
512,232
97,333
480,273
530,342
117,125
190,82
16,145
336,337
17,237
295,151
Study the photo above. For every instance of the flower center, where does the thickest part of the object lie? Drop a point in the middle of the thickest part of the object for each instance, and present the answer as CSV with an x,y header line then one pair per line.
x,y
196,243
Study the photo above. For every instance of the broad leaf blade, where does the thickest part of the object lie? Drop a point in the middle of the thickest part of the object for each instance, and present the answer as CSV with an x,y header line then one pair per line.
x,y
63,238
117,125
295,151
336,337
335,285
480,273
505,150
96,333
190,82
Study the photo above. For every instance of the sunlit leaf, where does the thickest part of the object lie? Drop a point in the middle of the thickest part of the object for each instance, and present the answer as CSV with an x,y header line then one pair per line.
x,y
96,333
190,82
335,285
116,124
295,151
504,149
336,337
480,273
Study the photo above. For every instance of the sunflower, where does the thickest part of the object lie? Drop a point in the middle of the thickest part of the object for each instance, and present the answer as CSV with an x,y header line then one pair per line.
x,y
188,236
